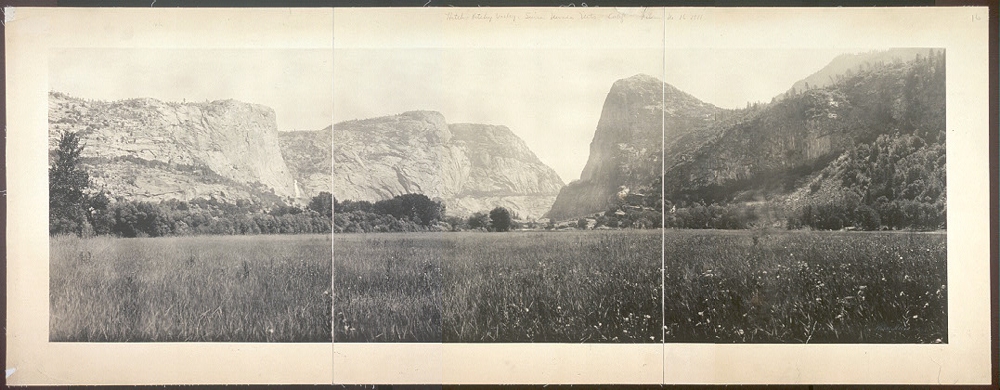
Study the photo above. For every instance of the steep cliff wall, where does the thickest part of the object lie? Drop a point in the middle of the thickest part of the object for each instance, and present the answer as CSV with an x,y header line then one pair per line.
x,y
770,149
716,155
470,167
193,147
639,114
307,154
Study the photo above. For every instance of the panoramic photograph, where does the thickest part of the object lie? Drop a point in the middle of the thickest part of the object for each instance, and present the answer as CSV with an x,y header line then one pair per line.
x,y
740,196
686,196
453,221
185,201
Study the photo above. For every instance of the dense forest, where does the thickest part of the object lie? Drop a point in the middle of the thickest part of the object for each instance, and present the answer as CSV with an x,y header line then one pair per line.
x,y
895,178
403,213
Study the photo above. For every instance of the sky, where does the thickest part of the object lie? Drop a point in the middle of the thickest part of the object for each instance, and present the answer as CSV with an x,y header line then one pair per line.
x,y
729,78
296,83
551,98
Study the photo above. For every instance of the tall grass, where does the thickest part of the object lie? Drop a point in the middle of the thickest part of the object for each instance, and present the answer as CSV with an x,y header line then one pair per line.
x,y
805,287
388,287
562,287
209,289
499,287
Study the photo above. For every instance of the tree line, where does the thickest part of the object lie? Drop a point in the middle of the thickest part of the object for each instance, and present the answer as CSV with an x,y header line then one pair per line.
x,y
414,213
74,208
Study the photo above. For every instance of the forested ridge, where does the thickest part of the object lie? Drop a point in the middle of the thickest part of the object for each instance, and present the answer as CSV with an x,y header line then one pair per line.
x,y
867,151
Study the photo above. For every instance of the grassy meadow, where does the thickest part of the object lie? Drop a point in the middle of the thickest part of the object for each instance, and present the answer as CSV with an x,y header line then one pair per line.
x,y
805,287
580,286
604,287
201,288
555,287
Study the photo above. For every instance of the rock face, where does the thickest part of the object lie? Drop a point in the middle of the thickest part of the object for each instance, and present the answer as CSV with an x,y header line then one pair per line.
x,y
470,167
716,155
148,149
768,150
307,154
639,114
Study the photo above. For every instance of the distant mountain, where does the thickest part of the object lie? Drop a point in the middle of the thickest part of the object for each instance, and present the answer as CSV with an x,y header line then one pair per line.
x,y
855,62
470,167
146,149
626,151
308,155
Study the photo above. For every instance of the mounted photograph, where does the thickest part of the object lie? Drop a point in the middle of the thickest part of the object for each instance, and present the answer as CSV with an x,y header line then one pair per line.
x,y
463,195
805,196
185,202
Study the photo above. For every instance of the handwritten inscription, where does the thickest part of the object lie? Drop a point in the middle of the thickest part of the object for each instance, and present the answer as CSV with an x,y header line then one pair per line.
x,y
684,17
556,15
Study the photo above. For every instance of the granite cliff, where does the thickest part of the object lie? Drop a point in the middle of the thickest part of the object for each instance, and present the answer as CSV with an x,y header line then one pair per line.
x,y
768,150
147,149
470,167
307,154
762,152
641,116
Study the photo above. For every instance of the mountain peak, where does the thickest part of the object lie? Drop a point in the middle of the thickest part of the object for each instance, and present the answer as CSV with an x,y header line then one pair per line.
x,y
850,62
639,81
643,77
423,114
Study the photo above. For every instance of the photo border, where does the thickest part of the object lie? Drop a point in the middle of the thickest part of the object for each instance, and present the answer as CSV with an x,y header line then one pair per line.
x,y
269,363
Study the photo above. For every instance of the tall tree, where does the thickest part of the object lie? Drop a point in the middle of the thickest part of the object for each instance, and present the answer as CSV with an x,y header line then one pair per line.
x,y
322,203
500,219
68,182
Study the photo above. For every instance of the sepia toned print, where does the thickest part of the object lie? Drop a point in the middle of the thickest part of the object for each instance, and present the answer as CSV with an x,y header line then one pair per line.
x,y
515,195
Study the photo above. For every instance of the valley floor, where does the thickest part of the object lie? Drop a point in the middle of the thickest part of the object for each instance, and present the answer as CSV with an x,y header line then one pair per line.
x,y
200,289
578,286
604,287
805,287
614,286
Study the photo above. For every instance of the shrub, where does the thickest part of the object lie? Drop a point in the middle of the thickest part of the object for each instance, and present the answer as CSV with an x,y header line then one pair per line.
x,y
479,221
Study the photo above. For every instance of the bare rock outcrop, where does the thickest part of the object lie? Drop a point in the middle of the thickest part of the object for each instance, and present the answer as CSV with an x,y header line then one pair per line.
x,y
308,155
639,114
469,167
204,146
